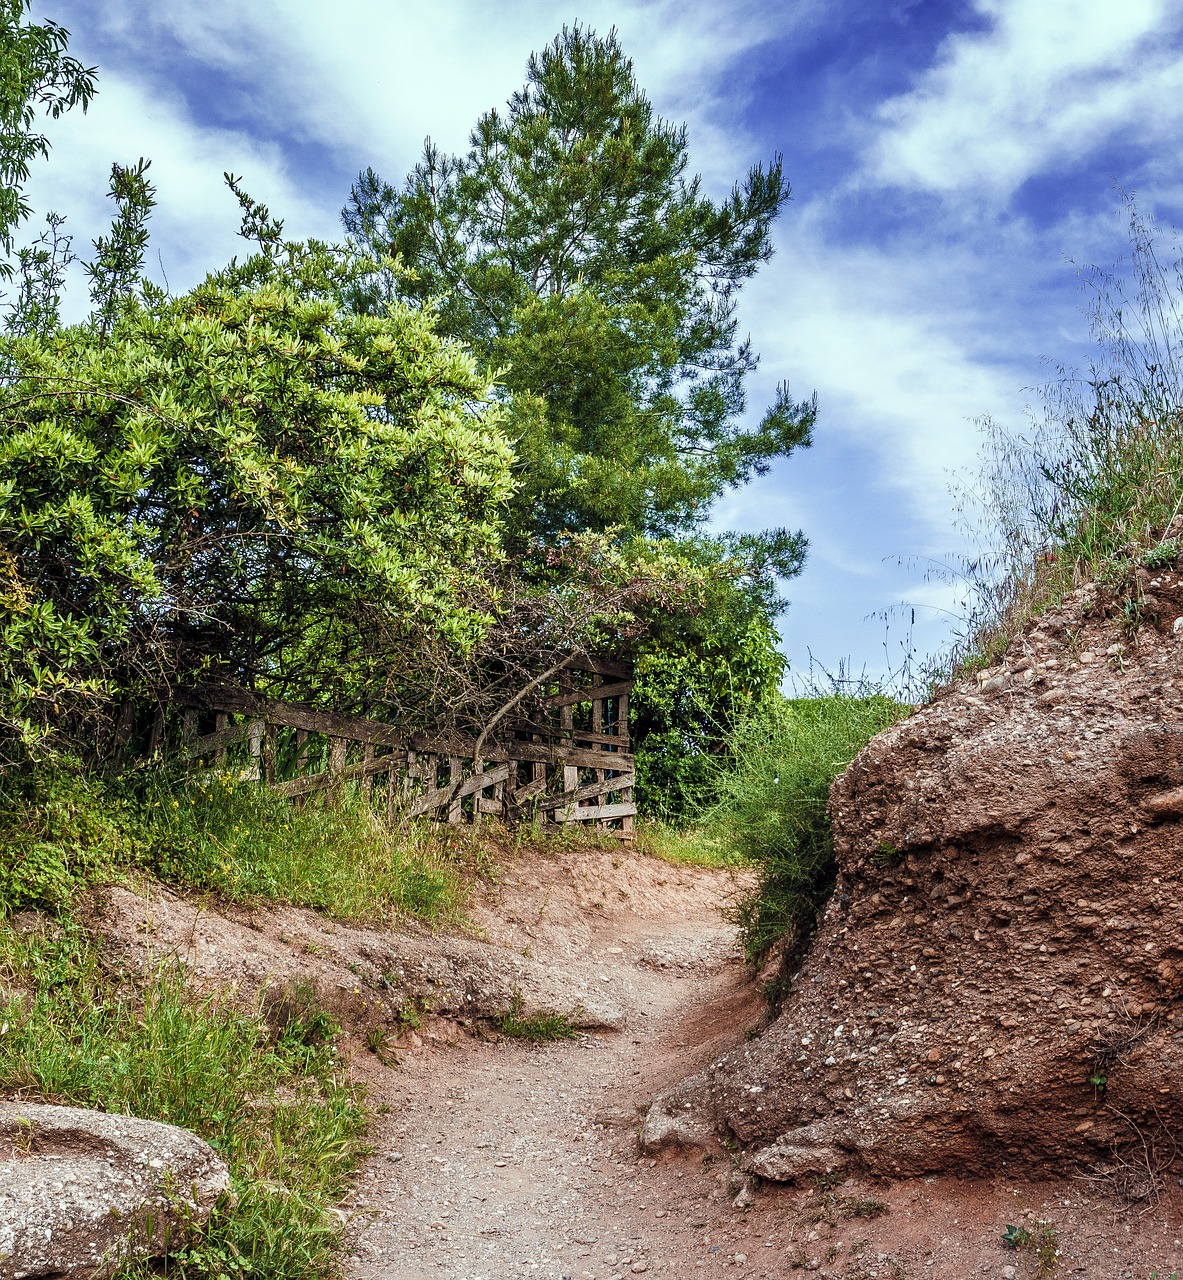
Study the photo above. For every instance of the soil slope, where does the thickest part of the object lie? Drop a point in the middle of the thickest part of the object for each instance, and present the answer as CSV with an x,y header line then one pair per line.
x,y
996,986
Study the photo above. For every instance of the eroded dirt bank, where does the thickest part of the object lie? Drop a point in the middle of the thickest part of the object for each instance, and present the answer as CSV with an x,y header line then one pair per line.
x,y
997,985
497,1160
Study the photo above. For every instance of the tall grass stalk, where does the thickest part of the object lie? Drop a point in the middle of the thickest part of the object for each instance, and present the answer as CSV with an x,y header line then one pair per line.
x,y
1096,480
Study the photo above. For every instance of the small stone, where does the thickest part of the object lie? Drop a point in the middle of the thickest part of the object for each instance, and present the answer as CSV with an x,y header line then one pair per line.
x,y
638,1267
740,1259
1177,626
1009,1273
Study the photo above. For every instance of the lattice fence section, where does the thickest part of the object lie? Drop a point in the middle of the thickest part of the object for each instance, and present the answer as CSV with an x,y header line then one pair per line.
x,y
571,765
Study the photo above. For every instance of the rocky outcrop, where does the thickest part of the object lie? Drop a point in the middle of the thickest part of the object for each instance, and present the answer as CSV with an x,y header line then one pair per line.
x,y
997,983
83,1191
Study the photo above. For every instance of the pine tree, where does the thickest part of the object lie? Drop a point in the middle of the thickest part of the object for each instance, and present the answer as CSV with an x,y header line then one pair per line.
x,y
570,250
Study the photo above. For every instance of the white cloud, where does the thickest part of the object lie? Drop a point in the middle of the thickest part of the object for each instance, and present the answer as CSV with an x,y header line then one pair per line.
x,y
1041,89
195,224
370,79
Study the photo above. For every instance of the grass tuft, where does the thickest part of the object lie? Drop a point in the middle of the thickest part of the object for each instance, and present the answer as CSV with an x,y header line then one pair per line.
x,y
772,809
537,1028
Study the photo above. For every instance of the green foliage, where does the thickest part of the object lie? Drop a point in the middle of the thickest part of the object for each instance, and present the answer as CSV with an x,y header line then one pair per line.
x,y
286,1122
248,482
1090,488
334,855
537,1028
692,845
772,806
571,251
62,827
575,254
1040,1242
36,75
702,668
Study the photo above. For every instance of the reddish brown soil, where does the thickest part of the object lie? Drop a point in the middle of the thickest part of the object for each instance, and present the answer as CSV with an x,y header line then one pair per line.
x,y
496,1160
997,985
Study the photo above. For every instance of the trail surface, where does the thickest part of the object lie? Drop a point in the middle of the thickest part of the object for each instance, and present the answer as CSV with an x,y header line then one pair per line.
x,y
496,1160
501,1160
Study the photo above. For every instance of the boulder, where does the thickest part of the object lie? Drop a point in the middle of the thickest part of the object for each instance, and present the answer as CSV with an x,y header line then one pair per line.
x,y
82,1191
996,985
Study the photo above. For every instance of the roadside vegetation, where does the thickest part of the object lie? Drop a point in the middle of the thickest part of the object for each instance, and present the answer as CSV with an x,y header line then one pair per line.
x,y
62,828
771,811
1089,490
274,1102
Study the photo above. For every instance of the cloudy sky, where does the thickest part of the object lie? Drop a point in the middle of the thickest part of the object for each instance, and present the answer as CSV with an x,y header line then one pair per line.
x,y
950,164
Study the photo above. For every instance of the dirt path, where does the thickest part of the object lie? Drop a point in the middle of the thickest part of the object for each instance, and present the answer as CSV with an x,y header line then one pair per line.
x,y
500,1161
504,1160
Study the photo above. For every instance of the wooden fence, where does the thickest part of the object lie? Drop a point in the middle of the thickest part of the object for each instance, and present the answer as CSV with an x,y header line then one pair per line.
x,y
570,765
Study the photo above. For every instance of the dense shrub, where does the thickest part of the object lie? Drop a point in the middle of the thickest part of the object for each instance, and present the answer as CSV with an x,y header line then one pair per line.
x,y
772,805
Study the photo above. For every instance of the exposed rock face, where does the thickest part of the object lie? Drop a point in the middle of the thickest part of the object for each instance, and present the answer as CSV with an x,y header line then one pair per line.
x,y
998,980
82,1191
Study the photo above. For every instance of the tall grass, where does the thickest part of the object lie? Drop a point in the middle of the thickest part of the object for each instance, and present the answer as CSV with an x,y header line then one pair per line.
x,y
277,1109
772,806
61,826
1095,481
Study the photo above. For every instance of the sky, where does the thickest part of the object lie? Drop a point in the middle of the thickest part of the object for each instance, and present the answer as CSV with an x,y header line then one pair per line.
x,y
954,166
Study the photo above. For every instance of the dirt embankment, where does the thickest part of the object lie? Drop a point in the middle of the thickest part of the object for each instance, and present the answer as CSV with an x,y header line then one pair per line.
x,y
495,1160
996,986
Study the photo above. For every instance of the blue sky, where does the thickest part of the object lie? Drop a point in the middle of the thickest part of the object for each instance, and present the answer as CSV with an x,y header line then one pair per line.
x,y
950,162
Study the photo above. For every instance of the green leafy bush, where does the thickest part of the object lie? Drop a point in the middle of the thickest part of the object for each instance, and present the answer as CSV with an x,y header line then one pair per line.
x,y
247,481
773,805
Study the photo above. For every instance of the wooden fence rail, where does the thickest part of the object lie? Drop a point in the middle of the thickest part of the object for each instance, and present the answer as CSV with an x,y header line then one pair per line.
x,y
570,765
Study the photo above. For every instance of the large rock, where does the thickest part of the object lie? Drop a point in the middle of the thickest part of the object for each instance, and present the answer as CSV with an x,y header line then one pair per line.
x,y
997,981
82,1191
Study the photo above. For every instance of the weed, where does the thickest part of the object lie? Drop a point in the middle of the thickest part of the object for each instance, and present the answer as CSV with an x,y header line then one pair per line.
x,y
773,806
1040,1242
887,855
286,1123
380,1042
1162,556
1095,484
62,826
534,1027
412,1012
694,846
832,1207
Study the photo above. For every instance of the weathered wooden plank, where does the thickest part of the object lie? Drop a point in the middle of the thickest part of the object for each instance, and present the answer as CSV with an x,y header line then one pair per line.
x,y
529,791
570,734
545,753
308,782
218,741
601,667
589,791
588,695
594,812
293,715
453,792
